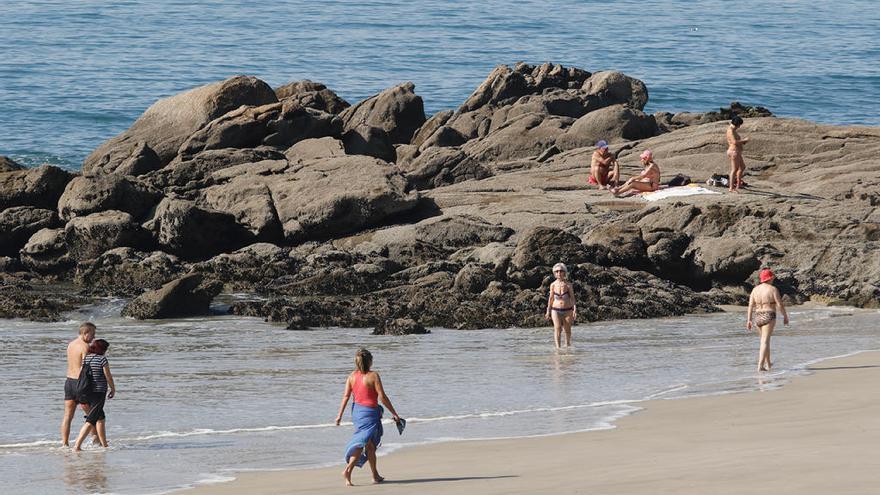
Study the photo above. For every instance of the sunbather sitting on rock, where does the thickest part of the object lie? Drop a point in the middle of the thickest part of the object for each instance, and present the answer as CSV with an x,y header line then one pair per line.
x,y
648,180
601,173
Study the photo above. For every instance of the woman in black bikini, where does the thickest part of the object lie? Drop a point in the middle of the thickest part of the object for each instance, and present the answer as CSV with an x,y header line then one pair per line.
x,y
561,308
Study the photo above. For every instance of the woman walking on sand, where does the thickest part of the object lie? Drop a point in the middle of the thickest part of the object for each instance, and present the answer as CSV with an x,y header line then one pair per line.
x,y
763,303
734,152
102,381
366,414
561,307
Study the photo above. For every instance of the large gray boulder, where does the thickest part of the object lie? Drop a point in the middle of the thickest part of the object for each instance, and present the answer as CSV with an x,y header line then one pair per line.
x,y
249,200
183,228
192,172
506,84
312,95
19,223
46,251
439,166
310,149
86,195
527,135
430,127
170,121
335,196
614,123
89,236
398,111
278,124
40,187
616,88
190,295
126,158
370,141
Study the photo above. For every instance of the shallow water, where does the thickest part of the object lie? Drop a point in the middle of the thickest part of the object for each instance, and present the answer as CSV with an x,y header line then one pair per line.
x,y
202,398
73,74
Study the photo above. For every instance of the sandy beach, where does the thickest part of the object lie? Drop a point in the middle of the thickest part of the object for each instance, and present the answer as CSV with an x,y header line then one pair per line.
x,y
817,434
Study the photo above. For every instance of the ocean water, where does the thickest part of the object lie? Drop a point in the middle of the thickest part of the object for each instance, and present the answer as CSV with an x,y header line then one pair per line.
x,y
73,74
199,399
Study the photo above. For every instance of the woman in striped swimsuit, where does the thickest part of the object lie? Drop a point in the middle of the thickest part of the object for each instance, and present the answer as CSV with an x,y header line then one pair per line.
x,y
102,382
561,308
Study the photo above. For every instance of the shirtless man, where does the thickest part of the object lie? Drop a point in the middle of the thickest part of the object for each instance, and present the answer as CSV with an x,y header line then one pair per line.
x,y
600,166
734,152
76,351
648,180
763,303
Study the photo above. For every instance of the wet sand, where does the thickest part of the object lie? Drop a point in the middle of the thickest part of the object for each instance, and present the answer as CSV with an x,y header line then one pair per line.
x,y
818,434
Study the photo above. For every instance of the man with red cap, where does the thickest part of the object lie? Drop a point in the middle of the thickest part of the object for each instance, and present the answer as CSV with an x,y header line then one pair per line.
x,y
763,303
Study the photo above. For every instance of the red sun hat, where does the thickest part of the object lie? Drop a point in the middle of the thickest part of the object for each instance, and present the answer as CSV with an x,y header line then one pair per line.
x,y
766,275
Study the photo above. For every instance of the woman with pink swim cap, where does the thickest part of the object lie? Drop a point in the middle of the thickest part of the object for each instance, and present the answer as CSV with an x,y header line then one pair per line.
x,y
764,300
648,180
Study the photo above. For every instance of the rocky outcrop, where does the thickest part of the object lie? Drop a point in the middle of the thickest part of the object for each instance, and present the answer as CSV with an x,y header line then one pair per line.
x,y
190,295
370,141
614,123
8,164
86,195
616,88
46,251
192,173
310,149
89,236
400,326
336,196
311,94
19,223
40,187
377,214
182,228
278,124
127,272
34,300
161,130
398,111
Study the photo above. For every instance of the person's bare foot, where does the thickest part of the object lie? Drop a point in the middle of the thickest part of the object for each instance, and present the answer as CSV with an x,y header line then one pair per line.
x,y
378,479
346,475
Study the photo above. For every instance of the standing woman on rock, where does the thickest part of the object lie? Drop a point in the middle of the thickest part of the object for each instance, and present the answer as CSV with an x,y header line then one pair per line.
x,y
561,308
366,414
734,152
763,303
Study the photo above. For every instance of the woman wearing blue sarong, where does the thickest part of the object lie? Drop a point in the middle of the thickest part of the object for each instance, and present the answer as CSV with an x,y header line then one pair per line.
x,y
366,414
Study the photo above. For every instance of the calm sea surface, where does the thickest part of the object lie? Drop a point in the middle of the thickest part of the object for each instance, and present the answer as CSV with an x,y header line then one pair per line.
x,y
202,398
74,73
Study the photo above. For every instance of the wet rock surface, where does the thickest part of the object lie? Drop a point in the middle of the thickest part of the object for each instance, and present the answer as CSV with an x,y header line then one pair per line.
x,y
374,215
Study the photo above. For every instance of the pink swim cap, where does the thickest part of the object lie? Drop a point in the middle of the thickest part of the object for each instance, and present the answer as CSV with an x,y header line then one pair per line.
x,y
647,155
765,275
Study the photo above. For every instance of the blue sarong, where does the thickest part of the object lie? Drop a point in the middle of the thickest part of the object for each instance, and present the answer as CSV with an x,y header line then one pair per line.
x,y
367,428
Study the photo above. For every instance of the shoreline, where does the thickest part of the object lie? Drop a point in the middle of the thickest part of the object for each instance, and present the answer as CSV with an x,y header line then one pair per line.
x,y
660,419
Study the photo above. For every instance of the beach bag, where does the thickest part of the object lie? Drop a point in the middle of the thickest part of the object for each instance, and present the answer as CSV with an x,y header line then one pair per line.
x,y
85,384
717,180
679,180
